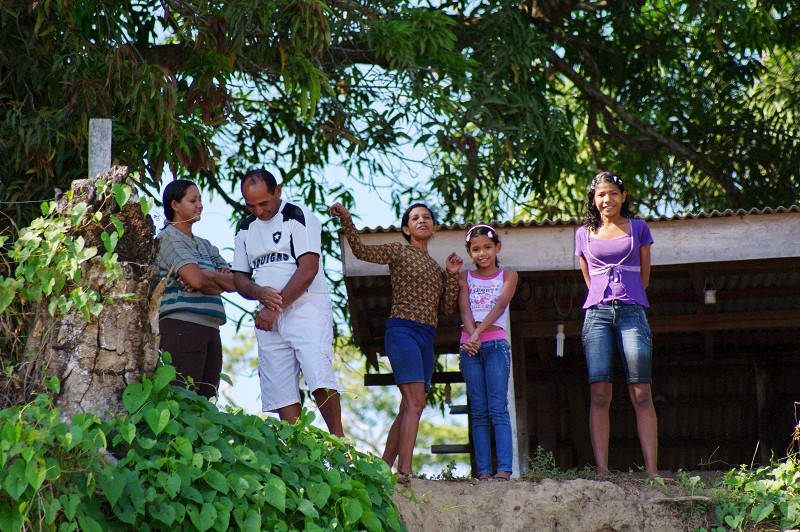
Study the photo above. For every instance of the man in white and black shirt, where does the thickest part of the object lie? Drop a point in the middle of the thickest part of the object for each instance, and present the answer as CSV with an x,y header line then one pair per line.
x,y
276,261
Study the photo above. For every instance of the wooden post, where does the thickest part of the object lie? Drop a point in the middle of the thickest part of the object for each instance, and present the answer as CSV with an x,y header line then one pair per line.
x,y
765,404
99,146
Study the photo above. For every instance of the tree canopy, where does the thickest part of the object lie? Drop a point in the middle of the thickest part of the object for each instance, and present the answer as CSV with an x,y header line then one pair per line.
x,y
508,103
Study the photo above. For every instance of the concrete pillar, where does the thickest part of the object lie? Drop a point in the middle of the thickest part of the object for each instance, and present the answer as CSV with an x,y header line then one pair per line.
x,y
516,466
99,146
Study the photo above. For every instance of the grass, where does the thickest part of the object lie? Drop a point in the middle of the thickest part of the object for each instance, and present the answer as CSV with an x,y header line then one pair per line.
x,y
542,465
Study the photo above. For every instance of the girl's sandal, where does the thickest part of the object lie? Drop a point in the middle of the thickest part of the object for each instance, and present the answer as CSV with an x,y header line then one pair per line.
x,y
502,476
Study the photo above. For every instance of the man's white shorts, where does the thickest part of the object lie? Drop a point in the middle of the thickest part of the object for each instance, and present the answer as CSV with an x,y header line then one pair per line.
x,y
302,339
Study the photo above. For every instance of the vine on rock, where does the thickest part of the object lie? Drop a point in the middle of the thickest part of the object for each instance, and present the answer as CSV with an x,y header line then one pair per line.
x,y
62,269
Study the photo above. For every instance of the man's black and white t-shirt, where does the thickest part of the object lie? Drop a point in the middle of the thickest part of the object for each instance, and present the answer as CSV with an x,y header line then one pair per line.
x,y
269,250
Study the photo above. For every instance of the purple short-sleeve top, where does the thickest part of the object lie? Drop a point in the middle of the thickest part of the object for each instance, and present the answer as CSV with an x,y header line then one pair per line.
x,y
614,265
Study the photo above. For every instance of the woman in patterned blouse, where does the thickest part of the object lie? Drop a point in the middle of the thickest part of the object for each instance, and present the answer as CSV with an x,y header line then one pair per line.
x,y
421,290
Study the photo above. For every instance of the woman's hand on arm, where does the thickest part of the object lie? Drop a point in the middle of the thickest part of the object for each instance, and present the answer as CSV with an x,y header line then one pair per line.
x,y
210,282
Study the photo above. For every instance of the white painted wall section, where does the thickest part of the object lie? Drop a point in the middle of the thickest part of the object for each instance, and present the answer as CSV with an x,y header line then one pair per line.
x,y
681,241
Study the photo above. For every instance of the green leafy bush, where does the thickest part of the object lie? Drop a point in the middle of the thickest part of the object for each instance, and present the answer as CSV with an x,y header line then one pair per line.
x,y
173,461
768,495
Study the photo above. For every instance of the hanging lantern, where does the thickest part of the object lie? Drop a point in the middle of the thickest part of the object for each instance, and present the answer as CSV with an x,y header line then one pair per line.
x,y
709,291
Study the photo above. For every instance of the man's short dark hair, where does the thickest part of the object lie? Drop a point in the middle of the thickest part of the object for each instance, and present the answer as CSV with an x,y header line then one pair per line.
x,y
261,175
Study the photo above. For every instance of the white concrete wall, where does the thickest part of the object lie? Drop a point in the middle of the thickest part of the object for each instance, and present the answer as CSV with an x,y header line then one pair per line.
x,y
546,248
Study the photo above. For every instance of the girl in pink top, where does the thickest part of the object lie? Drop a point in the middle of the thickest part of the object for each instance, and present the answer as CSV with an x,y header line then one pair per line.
x,y
485,355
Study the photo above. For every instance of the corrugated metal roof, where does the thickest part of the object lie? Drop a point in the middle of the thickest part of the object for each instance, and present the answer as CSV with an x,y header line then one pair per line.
x,y
725,379
575,221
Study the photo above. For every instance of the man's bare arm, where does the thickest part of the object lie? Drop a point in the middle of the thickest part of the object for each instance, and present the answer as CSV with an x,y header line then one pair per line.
x,y
267,296
307,268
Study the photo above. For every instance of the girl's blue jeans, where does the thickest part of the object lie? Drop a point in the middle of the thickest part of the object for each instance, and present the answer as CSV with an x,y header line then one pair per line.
x,y
486,375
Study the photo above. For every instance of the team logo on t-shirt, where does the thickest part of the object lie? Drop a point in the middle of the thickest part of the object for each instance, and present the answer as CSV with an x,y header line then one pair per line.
x,y
276,236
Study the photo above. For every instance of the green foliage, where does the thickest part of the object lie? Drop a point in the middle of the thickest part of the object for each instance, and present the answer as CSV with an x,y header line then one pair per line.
x,y
511,107
448,472
172,460
47,466
692,486
542,465
49,253
767,495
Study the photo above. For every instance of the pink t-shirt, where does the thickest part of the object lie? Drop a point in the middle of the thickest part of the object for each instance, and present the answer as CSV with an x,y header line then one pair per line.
x,y
483,295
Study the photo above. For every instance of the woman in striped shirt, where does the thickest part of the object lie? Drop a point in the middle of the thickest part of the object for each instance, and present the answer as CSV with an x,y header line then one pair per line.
x,y
191,308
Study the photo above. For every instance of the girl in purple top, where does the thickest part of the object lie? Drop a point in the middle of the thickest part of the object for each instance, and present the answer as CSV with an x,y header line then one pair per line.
x,y
614,252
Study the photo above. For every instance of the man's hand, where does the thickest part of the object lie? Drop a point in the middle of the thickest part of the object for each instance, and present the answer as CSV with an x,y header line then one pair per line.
x,y
265,319
270,298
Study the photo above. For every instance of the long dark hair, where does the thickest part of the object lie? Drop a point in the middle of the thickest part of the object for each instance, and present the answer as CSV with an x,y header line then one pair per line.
x,y
483,230
175,191
407,215
591,217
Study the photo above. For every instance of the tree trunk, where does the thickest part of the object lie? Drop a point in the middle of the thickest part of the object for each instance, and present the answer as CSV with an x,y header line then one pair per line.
x,y
96,360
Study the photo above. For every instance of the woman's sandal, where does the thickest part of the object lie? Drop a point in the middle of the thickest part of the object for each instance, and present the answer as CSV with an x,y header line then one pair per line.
x,y
485,476
404,478
502,476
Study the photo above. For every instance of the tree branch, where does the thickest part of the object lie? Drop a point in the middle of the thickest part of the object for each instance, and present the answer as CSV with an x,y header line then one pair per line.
x,y
170,56
682,150
355,7
350,53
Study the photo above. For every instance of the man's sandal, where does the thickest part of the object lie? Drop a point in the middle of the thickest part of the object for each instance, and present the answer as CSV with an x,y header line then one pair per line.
x,y
485,476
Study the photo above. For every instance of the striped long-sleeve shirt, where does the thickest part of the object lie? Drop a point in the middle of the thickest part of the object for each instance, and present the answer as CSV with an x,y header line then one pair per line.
x,y
176,250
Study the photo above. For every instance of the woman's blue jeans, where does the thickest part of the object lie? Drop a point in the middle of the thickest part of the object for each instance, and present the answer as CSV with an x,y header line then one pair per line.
x,y
486,375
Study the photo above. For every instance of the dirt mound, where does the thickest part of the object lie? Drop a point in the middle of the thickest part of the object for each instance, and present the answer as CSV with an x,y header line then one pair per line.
x,y
563,505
